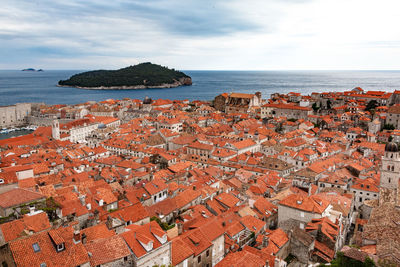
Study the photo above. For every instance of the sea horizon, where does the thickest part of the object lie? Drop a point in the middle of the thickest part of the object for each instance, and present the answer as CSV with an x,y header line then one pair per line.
x,y
239,70
17,86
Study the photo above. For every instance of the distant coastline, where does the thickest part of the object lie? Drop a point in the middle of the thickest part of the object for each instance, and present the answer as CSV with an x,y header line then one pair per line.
x,y
33,70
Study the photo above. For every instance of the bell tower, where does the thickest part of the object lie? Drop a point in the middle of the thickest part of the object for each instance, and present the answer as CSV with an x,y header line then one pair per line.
x,y
55,130
390,171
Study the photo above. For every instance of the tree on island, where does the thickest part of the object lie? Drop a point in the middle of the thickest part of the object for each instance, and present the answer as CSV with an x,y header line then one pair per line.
x,y
146,74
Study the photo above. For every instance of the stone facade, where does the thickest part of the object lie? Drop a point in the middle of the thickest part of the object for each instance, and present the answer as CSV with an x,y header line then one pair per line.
x,y
159,256
393,116
285,110
14,115
301,245
203,259
218,249
300,217
390,171
237,102
6,258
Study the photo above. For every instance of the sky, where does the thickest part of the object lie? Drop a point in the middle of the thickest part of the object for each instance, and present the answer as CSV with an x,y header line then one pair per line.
x,y
201,34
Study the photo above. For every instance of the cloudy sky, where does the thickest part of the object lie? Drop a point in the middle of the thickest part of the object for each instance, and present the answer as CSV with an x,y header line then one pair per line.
x,y
200,34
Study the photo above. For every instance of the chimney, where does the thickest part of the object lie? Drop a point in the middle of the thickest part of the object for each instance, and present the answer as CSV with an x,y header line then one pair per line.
x,y
309,190
84,238
77,236
31,210
82,198
265,242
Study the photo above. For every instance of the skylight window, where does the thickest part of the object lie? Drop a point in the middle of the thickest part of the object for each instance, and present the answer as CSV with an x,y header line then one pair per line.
x,y
36,247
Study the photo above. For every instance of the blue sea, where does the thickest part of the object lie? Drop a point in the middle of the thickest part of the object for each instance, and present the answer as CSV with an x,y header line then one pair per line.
x,y
18,86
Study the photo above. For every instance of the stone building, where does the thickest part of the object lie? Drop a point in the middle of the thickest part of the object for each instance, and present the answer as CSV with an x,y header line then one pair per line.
x,y
220,102
14,115
302,209
393,116
149,244
242,103
301,245
237,102
289,111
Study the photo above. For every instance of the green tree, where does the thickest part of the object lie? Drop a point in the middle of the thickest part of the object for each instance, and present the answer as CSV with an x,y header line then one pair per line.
x,y
342,261
142,74
51,208
388,126
371,105
329,104
368,262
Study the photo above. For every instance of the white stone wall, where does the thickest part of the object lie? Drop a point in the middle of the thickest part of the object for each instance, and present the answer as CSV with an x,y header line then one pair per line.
x,y
285,213
159,256
14,115
361,195
218,249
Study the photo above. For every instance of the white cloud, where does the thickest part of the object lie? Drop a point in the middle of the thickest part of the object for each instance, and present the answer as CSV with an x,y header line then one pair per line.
x,y
256,34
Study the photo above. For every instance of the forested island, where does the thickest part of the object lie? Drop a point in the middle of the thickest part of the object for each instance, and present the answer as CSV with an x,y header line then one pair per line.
x,y
141,76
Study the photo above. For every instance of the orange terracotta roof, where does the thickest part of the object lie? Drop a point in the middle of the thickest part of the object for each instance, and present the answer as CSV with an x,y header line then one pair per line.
x,y
107,250
22,227
180,251
18,196
24,254
312,204
242,259
144,234
97,232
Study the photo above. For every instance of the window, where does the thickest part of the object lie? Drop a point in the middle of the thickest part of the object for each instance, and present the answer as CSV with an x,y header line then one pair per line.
x,y
302,214
36,247
301,225
43,264
199,259
60,247
208,253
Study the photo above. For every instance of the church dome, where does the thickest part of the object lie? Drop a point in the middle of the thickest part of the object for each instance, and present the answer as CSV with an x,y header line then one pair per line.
x,y
391,147
147,100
